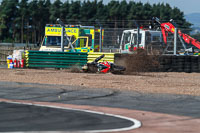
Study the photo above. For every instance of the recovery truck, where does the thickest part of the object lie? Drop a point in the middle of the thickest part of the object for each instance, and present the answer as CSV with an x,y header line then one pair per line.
x,y
132,39
150,38
80,38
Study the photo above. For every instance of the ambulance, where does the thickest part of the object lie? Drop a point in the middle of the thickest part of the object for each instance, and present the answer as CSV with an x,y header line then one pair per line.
x,y
77,38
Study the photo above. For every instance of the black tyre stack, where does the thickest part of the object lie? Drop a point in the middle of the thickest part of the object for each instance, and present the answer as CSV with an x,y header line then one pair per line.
x,y
187,64
169,63
175,63
165,63
198,63
194,64
162,64
180,62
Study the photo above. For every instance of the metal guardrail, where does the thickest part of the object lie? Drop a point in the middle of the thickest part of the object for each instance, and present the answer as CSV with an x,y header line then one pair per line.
x,y
108,56
44,59
41,59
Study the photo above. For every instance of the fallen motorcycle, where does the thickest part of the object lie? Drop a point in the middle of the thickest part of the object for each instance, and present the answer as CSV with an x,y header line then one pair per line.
x,y
103,67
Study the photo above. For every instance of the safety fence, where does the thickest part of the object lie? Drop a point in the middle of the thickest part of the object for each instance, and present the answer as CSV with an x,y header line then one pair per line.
x,y
43,59
7,49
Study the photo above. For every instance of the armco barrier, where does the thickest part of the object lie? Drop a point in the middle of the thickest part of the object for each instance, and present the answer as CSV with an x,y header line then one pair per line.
x,y
44,59
108,56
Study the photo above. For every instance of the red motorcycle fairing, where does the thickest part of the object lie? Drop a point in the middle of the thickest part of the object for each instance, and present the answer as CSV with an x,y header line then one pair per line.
x,y
106,70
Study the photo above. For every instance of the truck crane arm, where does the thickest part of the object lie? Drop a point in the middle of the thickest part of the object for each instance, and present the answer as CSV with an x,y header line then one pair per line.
x,y
169,27
188,39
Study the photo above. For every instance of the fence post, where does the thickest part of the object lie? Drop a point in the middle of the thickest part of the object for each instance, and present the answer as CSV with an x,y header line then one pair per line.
x,y
100,40
62,39
175,40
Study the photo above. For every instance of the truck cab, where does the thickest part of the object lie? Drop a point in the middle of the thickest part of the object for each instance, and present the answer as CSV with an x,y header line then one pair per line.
x,y
146,39
82,38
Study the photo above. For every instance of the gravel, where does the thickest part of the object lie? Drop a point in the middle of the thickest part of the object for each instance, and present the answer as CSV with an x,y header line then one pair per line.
x,y
166,83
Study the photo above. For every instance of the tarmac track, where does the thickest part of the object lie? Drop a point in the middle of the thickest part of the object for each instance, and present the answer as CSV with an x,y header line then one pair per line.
x,y
20,116
157,112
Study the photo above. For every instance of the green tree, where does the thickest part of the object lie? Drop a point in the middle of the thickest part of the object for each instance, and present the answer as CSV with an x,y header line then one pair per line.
x,y
44,17
114,11
34,18
55,11
64,10
132,14
23,17
147,12
88,10
101,13
46,11
123,12
2,27
74,12
8,13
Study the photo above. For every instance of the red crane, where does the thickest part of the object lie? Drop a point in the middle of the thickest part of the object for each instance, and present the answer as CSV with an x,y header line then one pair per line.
x,y
169,27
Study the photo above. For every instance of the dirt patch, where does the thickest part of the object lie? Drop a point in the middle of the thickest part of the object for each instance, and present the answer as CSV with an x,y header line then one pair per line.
x,y
139,62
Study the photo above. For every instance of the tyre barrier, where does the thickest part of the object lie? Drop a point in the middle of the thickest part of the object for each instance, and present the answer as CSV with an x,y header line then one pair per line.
x,y
166,63
186,64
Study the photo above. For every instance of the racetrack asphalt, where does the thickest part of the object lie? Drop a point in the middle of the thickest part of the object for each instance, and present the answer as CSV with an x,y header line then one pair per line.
x,y
21,117
179,105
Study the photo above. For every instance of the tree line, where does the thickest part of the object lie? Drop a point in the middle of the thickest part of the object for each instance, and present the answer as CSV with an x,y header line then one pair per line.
x,y
24,21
